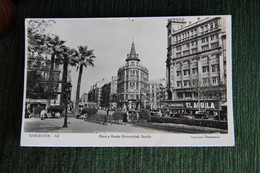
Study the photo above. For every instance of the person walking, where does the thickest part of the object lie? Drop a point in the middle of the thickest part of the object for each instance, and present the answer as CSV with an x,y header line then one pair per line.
x,y
43,113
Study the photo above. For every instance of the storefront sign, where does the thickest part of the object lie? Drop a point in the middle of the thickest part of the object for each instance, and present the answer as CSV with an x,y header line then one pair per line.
x,y
193,105
203,105
176,105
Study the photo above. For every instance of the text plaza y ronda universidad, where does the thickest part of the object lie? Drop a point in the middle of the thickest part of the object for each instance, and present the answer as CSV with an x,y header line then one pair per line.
x,y
124,136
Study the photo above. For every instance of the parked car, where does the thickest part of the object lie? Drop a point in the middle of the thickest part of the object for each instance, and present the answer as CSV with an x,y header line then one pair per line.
x,y
55,111
89,109
154,113
202,115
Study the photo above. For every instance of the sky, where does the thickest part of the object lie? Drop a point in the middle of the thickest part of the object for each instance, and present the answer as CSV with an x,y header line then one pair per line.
x,y
111,40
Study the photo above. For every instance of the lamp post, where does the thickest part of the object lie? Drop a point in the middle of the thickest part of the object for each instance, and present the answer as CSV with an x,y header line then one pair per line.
x,y
67,98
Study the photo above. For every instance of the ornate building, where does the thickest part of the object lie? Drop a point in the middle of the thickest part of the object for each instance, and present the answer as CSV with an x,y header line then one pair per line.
x,y
196,64
132,82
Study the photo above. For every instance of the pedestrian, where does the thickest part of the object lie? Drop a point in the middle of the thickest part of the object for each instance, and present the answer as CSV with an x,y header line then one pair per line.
x,y
107,111
43,113
125,117
160,113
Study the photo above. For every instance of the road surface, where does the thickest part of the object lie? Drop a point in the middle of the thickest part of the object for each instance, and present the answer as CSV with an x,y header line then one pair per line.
x,y
52,125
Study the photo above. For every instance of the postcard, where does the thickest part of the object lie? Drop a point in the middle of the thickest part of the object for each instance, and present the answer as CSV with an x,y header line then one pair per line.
x,y
128,82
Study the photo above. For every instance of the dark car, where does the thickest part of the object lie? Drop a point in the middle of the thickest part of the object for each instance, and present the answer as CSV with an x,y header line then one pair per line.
x,y
202,115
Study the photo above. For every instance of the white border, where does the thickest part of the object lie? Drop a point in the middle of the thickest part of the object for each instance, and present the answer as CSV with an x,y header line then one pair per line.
x,y
156,140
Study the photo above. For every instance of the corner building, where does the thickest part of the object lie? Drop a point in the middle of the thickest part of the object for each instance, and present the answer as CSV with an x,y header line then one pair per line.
x,y
196,64
132,83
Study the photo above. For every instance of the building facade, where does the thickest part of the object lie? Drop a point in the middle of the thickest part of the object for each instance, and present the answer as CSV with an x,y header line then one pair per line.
x,y
132,82
196,64
94,95
156,94
39,67
109,94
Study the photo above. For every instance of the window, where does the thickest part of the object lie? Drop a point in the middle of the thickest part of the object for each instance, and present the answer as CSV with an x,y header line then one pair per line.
x,y
216,24
187,52
178,47
205,69
215,80
205,80
194,50
178,83
132,63
204,47
186,72
193,43
202,29
214,45
186,83
187,94
180,95
206,28
204,40
178,73
176,38
214,37
178,55
195,31
211,26
187,45
215,68
194,71
205,58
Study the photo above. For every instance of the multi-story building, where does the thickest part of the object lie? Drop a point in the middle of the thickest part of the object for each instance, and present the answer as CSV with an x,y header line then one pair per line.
x,y
156,93
40,68
109,94
132,82
94,95
196,64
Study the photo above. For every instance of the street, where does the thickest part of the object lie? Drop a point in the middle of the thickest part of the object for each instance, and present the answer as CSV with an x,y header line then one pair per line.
x,y
80,126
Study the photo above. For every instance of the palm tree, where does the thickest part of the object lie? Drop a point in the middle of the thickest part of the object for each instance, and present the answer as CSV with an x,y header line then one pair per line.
x,y
85,58
68,58
56,47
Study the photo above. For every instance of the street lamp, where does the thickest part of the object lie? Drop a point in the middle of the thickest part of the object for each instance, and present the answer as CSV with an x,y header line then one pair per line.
x,y
67,98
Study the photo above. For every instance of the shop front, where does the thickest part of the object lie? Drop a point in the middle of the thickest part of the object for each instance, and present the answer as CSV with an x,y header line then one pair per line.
x,y
192,107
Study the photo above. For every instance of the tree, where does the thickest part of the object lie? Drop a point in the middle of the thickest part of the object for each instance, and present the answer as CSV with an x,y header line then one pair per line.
x,y
40,44
56,48
84,58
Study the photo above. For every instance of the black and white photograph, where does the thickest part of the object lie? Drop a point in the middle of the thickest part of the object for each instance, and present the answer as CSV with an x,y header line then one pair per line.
x,y
128,82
